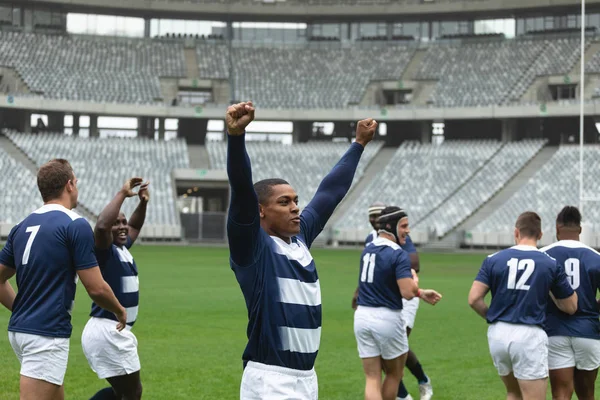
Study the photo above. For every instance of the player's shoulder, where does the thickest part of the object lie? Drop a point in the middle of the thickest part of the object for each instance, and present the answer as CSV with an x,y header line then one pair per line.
x,y
568,246
520,251
385,244
56,213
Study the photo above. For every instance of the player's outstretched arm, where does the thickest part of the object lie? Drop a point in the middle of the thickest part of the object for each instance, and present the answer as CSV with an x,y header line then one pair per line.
x,y
136,222
243,222
102,294
7,293
108,216
336,184
477,298
408,282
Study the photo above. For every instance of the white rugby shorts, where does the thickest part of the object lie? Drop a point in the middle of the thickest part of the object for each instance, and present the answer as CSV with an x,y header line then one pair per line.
x,y
109,352
520,349
41,357
270,382
567,352
409,311
381,332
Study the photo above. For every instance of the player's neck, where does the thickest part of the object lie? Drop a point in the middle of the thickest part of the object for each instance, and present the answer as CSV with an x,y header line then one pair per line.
x,y
527,242
65,203
387,236
569,236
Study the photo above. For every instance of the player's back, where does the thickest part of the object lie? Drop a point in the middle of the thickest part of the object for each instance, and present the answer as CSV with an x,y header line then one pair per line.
x,y
582,267
43,254
382,263
520,279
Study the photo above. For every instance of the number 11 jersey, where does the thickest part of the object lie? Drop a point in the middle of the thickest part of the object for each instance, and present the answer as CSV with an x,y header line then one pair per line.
x,y
582,267
382,263
520,279
46,249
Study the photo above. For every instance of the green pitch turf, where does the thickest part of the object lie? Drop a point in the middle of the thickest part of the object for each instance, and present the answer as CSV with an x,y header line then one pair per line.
x,y
192,321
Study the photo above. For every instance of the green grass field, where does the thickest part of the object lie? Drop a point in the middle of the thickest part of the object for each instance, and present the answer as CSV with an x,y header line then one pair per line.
x,y
192,320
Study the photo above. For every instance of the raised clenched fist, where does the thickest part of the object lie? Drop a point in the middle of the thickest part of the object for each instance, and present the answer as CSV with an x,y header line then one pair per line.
x,y
238,117
365,131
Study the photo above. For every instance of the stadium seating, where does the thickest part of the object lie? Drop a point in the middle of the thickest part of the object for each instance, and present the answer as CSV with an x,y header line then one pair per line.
x,y
302,165
475,74
19,195
92,68
103,165
278,77
542,194
489,180
420,177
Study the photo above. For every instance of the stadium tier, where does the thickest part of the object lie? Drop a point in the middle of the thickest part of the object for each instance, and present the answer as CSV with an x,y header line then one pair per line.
x,y
420,177
102,165
19,195
542,194
272,160
482,186
89,68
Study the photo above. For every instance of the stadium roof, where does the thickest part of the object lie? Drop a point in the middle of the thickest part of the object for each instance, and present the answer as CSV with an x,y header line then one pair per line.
x,y
312,10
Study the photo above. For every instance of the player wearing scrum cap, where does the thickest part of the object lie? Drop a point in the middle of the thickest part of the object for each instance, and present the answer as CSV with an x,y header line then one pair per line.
x,y
385,278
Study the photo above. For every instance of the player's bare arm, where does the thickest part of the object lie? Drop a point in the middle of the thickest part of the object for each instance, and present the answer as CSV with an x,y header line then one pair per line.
x,y
414,262
136,222
7,293
108,216
567,305
410,289
101,293
477,298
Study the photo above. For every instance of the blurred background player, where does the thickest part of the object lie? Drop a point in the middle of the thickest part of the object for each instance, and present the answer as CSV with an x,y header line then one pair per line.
x,y
574,340
520,279
409,309
269,242
385,279
115,357
48,250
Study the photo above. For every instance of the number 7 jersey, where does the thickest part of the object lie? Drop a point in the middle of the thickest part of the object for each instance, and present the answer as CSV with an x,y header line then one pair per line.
x,y
582,267
520,279
46,249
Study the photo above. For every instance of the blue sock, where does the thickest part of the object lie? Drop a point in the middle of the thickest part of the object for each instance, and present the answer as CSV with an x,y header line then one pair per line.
x,y
417,371
105,394
402,392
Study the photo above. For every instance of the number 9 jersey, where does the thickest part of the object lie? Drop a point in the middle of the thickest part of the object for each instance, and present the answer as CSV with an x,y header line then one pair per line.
x,y
382,263
582,267
520,279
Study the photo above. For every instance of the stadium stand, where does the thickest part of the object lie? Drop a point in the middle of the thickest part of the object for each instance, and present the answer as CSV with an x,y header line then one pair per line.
x,y
92,68
102,165
273,160
543,195
275,77
420,177
476,74
18,196
484,184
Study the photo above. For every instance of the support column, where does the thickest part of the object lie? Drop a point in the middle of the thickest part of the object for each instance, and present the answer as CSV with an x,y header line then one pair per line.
x,y
147,27
302,131
27,123
94,132
161,129
509,127
425,131
76,124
